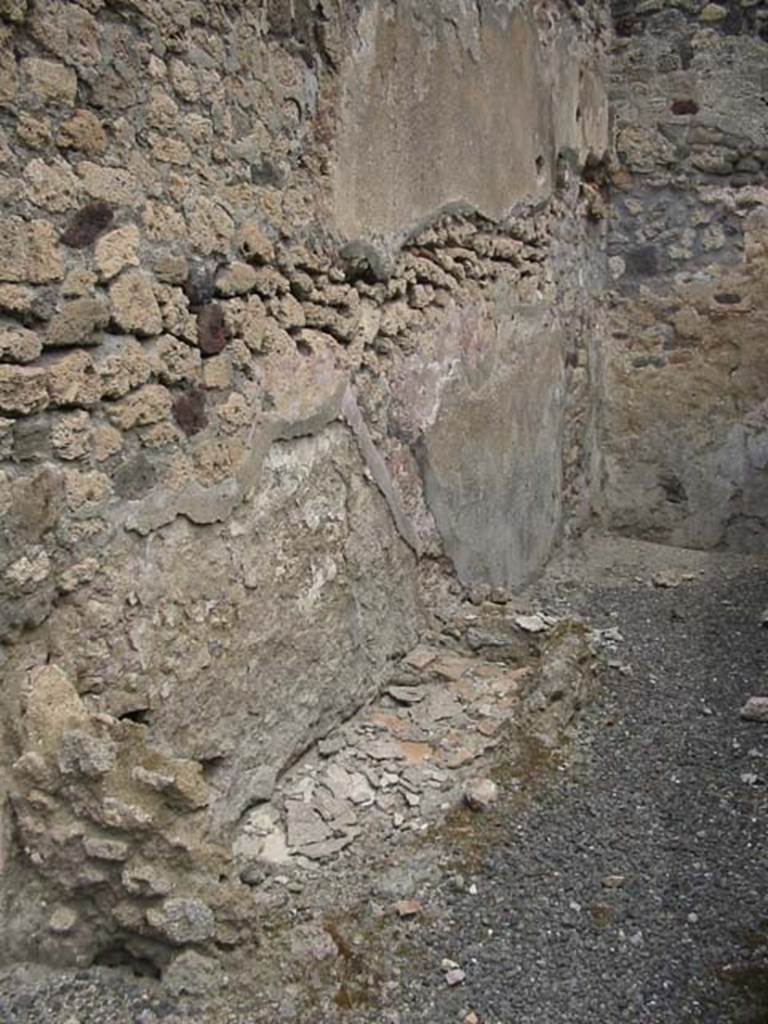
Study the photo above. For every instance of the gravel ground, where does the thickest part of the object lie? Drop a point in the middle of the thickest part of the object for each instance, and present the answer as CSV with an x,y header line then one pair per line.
x,y
628,884
668,790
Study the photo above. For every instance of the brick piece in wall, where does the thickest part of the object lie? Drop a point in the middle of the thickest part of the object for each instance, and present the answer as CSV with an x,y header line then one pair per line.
x,y
134,306
88,223
78,323
212,329
18,345
189,411
49,81
29,251
23,389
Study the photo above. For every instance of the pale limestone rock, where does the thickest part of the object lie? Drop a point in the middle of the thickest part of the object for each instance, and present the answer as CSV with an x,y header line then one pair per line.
x,y
16,298
253,322
177,318
51,707
9,76
82,753
288,312
112,184
107,441
34,132
117,250
182,920
210,226
68,30
161,435
174,361
84,132
134,306
49,81
62,920
76,575
140,879
126,367
105,849
71,435
51,186
29,251
237,411
712,13
162,223
78,323
171,269
217,372
253,243
162,110
150,404
236,279
28,571
79,283
168,150
74,380
18,345
184,80
86,492
23,389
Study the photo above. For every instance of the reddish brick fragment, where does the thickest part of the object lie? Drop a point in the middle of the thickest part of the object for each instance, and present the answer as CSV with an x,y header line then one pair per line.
x,y
189,411
212,332
87,224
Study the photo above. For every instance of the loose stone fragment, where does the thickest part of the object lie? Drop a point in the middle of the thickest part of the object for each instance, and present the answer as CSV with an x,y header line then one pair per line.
x,y
613,881
481,794
531,623
755,710
407,908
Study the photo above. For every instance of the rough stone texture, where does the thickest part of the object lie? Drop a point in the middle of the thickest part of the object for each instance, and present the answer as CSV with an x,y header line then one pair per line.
x,y
685,438
251,398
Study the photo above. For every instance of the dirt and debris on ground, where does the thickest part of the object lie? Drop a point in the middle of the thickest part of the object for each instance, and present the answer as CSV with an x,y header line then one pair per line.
x,y
620,878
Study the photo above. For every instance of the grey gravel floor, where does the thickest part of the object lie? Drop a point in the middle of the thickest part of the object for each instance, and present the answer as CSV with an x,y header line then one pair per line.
x,y
670,791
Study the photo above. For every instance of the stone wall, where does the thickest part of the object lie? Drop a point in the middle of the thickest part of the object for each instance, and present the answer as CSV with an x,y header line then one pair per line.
x,y
298,304
686,387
